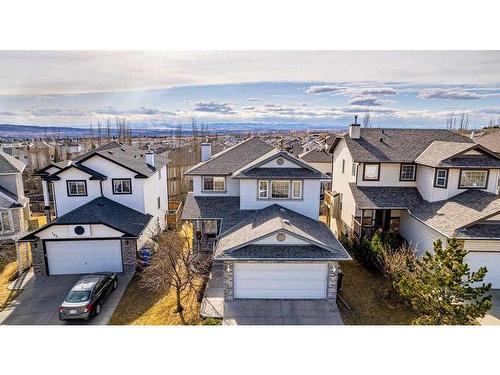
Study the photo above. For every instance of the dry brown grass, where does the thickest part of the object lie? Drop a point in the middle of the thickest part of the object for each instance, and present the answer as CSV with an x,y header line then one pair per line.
x,y
371,297
140,306
8,272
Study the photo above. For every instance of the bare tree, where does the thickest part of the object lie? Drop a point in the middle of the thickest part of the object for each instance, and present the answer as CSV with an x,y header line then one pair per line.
x,y
108,129
367,123
175,266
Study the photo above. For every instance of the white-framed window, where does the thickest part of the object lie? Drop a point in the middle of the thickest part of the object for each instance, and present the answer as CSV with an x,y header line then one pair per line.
x,y
354,168
122,186
214,183
296,189
343,166
473,179
441,178
371,171
5,222
408,172
76,188
263,189
159,174
280,189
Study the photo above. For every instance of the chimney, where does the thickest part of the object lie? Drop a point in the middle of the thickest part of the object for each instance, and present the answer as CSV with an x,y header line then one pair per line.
x,y
354,129
206,151
150,158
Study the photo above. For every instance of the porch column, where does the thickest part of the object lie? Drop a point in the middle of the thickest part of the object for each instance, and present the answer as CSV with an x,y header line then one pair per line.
x,y
361,224
46,201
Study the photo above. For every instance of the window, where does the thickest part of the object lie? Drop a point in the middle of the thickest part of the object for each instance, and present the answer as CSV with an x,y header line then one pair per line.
x,y
407,172
76,188
473,179
441,180
263,191
159,202
122,186
354,168
371,172
214,183
280,189
343,166
297,189
159,174
5,222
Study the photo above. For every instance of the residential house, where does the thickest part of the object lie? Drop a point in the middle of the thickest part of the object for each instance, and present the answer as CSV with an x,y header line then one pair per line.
x,y
257,209
108,202
489,139
14,206
425,184
322,161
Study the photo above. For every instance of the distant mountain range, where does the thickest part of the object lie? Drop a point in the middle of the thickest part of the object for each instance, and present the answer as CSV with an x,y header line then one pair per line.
x,y
14,131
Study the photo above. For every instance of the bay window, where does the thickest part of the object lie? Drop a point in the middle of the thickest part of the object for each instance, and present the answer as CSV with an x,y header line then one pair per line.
x,y
214,183
475,179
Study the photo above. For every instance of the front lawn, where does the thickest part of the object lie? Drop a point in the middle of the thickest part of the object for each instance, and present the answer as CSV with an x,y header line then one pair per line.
x,y
368,295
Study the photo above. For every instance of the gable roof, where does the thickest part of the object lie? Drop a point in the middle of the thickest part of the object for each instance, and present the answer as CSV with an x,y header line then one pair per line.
x,y
387,197
102,211
273,219
129,157
94,174
316,156
9,164
490,140
395,145
437,153
232,159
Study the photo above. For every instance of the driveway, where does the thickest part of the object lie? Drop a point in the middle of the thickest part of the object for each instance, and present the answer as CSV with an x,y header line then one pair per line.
x,y
281,312
39,302
493,316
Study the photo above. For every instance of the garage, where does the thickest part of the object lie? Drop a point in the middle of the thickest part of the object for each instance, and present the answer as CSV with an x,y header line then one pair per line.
x,y
490,260
85,256
280,280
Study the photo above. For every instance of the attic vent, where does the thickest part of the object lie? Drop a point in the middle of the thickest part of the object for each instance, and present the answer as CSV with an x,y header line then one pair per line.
x,y
110,152
281,237
286,221
280,161
122,149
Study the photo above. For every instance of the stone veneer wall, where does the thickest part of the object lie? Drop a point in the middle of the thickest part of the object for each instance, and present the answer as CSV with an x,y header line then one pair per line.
x,y
331,292
38,258
129,254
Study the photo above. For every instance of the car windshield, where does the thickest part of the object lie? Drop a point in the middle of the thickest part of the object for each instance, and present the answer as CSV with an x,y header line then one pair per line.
x,y
78,296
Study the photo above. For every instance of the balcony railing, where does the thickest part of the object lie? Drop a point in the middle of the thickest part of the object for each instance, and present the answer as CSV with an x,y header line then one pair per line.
x,y
328,197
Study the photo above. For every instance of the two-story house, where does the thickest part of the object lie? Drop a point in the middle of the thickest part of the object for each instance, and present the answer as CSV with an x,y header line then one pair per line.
x,y
425,184
108,202
14,206
257,209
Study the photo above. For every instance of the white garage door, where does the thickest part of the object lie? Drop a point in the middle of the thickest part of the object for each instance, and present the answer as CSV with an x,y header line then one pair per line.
x,y
67,257
280,280
489,260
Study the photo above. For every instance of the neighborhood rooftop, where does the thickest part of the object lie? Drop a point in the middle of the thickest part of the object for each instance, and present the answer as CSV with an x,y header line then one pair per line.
x,y
9,164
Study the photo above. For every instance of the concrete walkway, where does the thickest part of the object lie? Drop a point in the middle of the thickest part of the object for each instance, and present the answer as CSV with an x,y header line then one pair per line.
x,y
38,304
493,316
212,305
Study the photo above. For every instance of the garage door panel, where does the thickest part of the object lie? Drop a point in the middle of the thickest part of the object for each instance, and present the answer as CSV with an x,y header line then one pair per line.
x,y
491,261
74,257
280,280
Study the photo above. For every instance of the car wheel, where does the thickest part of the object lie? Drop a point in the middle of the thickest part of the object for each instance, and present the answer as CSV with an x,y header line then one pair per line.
x,y
98,309
115,284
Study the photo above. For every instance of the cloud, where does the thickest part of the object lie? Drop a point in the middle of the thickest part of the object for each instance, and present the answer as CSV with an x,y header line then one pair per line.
x,y
323,88
378,91
53,112
112,111
448,94
214,107
367,101
254,99
7,113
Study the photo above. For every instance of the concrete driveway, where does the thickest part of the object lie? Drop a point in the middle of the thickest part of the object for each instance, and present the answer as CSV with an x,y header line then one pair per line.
x,y
493,316
38,304
281,312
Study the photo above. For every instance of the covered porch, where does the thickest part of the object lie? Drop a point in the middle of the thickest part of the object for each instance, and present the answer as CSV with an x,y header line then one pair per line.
x,y
370,221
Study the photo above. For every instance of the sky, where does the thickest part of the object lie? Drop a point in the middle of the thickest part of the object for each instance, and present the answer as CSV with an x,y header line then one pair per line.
x,y
276,88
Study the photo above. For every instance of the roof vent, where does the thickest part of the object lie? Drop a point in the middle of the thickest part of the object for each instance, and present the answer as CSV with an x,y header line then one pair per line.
x,y
110,152
122,149
100,204
381,139
286,221
282,209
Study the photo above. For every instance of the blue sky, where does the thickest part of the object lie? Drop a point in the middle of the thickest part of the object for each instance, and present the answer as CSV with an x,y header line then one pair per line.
x,y
314,88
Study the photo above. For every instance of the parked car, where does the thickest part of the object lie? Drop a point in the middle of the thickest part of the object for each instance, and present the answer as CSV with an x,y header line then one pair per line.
x,y
85,299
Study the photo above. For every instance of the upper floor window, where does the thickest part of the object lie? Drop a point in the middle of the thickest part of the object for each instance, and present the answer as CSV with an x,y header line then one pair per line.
x,y
280,189
5,223
441,180
343,166
263,189
122,186
76,188
371,171
354,168
408,172
297,189
214,183
473,179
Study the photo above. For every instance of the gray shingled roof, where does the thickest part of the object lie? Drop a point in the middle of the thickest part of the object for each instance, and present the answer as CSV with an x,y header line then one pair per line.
x,y
289,252
9,164
103,211
233,158
225,208
481,231
457,212
396,145
373,197
490,140
282,173
450,154
315,156
275,218
94,174
131,157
